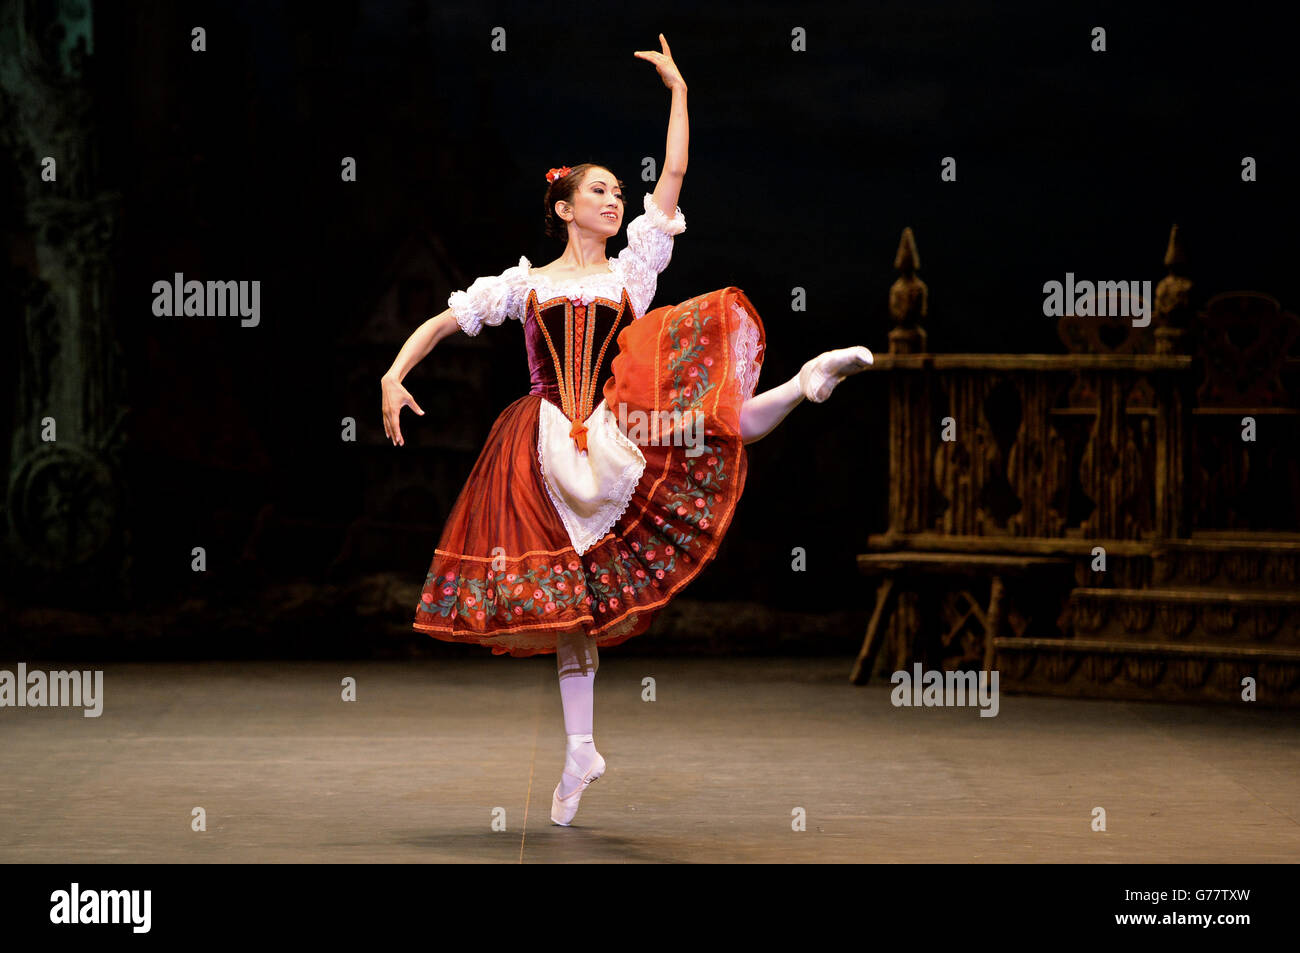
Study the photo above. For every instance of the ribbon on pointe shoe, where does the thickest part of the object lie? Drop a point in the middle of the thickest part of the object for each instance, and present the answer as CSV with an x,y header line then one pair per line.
x,y
564,807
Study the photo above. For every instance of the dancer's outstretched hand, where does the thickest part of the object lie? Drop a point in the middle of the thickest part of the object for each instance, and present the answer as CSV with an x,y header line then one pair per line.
x,y
395,398
664,64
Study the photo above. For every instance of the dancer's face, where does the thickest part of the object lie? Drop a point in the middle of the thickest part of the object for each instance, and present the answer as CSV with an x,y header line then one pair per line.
x,y
597,204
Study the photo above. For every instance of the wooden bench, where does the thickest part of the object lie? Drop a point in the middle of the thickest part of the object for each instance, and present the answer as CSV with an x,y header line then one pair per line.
x,y
900,569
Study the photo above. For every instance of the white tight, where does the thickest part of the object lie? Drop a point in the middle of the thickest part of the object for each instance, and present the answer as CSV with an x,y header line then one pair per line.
x,y
576,662
816,379
761,413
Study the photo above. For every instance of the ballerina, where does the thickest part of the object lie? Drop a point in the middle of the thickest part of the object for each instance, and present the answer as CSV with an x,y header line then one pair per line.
x,y
569,535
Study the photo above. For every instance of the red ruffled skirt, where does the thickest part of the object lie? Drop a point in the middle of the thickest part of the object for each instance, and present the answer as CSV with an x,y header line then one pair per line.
x,y
505,574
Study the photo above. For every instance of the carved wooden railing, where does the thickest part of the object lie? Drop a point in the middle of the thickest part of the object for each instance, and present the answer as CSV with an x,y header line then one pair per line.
x,y
1036,445
1140,449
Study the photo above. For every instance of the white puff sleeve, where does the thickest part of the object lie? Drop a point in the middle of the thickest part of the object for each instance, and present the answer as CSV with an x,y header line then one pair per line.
x,y
649,249
491,299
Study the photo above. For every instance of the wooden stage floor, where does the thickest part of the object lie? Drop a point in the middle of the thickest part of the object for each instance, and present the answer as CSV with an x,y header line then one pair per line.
x,y
712,770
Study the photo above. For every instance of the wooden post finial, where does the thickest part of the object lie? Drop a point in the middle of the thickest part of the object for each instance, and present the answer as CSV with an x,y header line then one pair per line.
x,y
909,299
1172,310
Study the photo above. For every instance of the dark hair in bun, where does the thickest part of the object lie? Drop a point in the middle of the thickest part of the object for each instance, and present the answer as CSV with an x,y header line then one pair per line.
x,y
561,190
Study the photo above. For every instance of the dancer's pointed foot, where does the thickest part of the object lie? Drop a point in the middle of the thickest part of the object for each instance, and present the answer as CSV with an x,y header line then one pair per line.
x,y
582,765
581,761
818,377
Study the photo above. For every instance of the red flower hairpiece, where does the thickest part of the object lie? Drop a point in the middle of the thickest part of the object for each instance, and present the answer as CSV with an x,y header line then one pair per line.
x,y
557,173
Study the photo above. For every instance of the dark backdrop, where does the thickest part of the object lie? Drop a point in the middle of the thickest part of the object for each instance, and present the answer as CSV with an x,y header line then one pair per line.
x,y
804,168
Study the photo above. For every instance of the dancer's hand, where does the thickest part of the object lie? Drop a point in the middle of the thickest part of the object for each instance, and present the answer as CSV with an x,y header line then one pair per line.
x,y
395,398
664,64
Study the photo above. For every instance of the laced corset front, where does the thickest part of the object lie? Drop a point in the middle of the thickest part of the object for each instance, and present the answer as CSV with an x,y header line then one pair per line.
x,y
571,347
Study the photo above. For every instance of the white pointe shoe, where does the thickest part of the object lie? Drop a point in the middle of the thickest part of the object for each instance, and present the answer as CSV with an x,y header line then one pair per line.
x,y
563,809
818,377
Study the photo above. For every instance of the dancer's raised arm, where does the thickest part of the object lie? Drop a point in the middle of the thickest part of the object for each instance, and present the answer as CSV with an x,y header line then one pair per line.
x,y
674,166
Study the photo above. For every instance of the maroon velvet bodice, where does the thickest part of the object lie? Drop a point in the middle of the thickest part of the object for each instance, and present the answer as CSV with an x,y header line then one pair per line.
x,y
571,347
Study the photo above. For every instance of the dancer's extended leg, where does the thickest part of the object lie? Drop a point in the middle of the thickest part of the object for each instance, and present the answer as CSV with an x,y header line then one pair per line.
x,y
816,379
576,662
761,413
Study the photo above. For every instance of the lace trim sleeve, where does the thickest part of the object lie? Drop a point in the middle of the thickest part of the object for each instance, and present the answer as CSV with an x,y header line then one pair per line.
x,y
655,216
649,249
491,299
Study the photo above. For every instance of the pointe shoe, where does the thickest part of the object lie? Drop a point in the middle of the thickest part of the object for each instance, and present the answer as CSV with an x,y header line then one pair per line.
x,y
563,809
818,377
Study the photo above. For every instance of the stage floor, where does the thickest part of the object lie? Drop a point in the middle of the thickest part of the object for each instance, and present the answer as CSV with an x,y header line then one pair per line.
x,y
713,770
